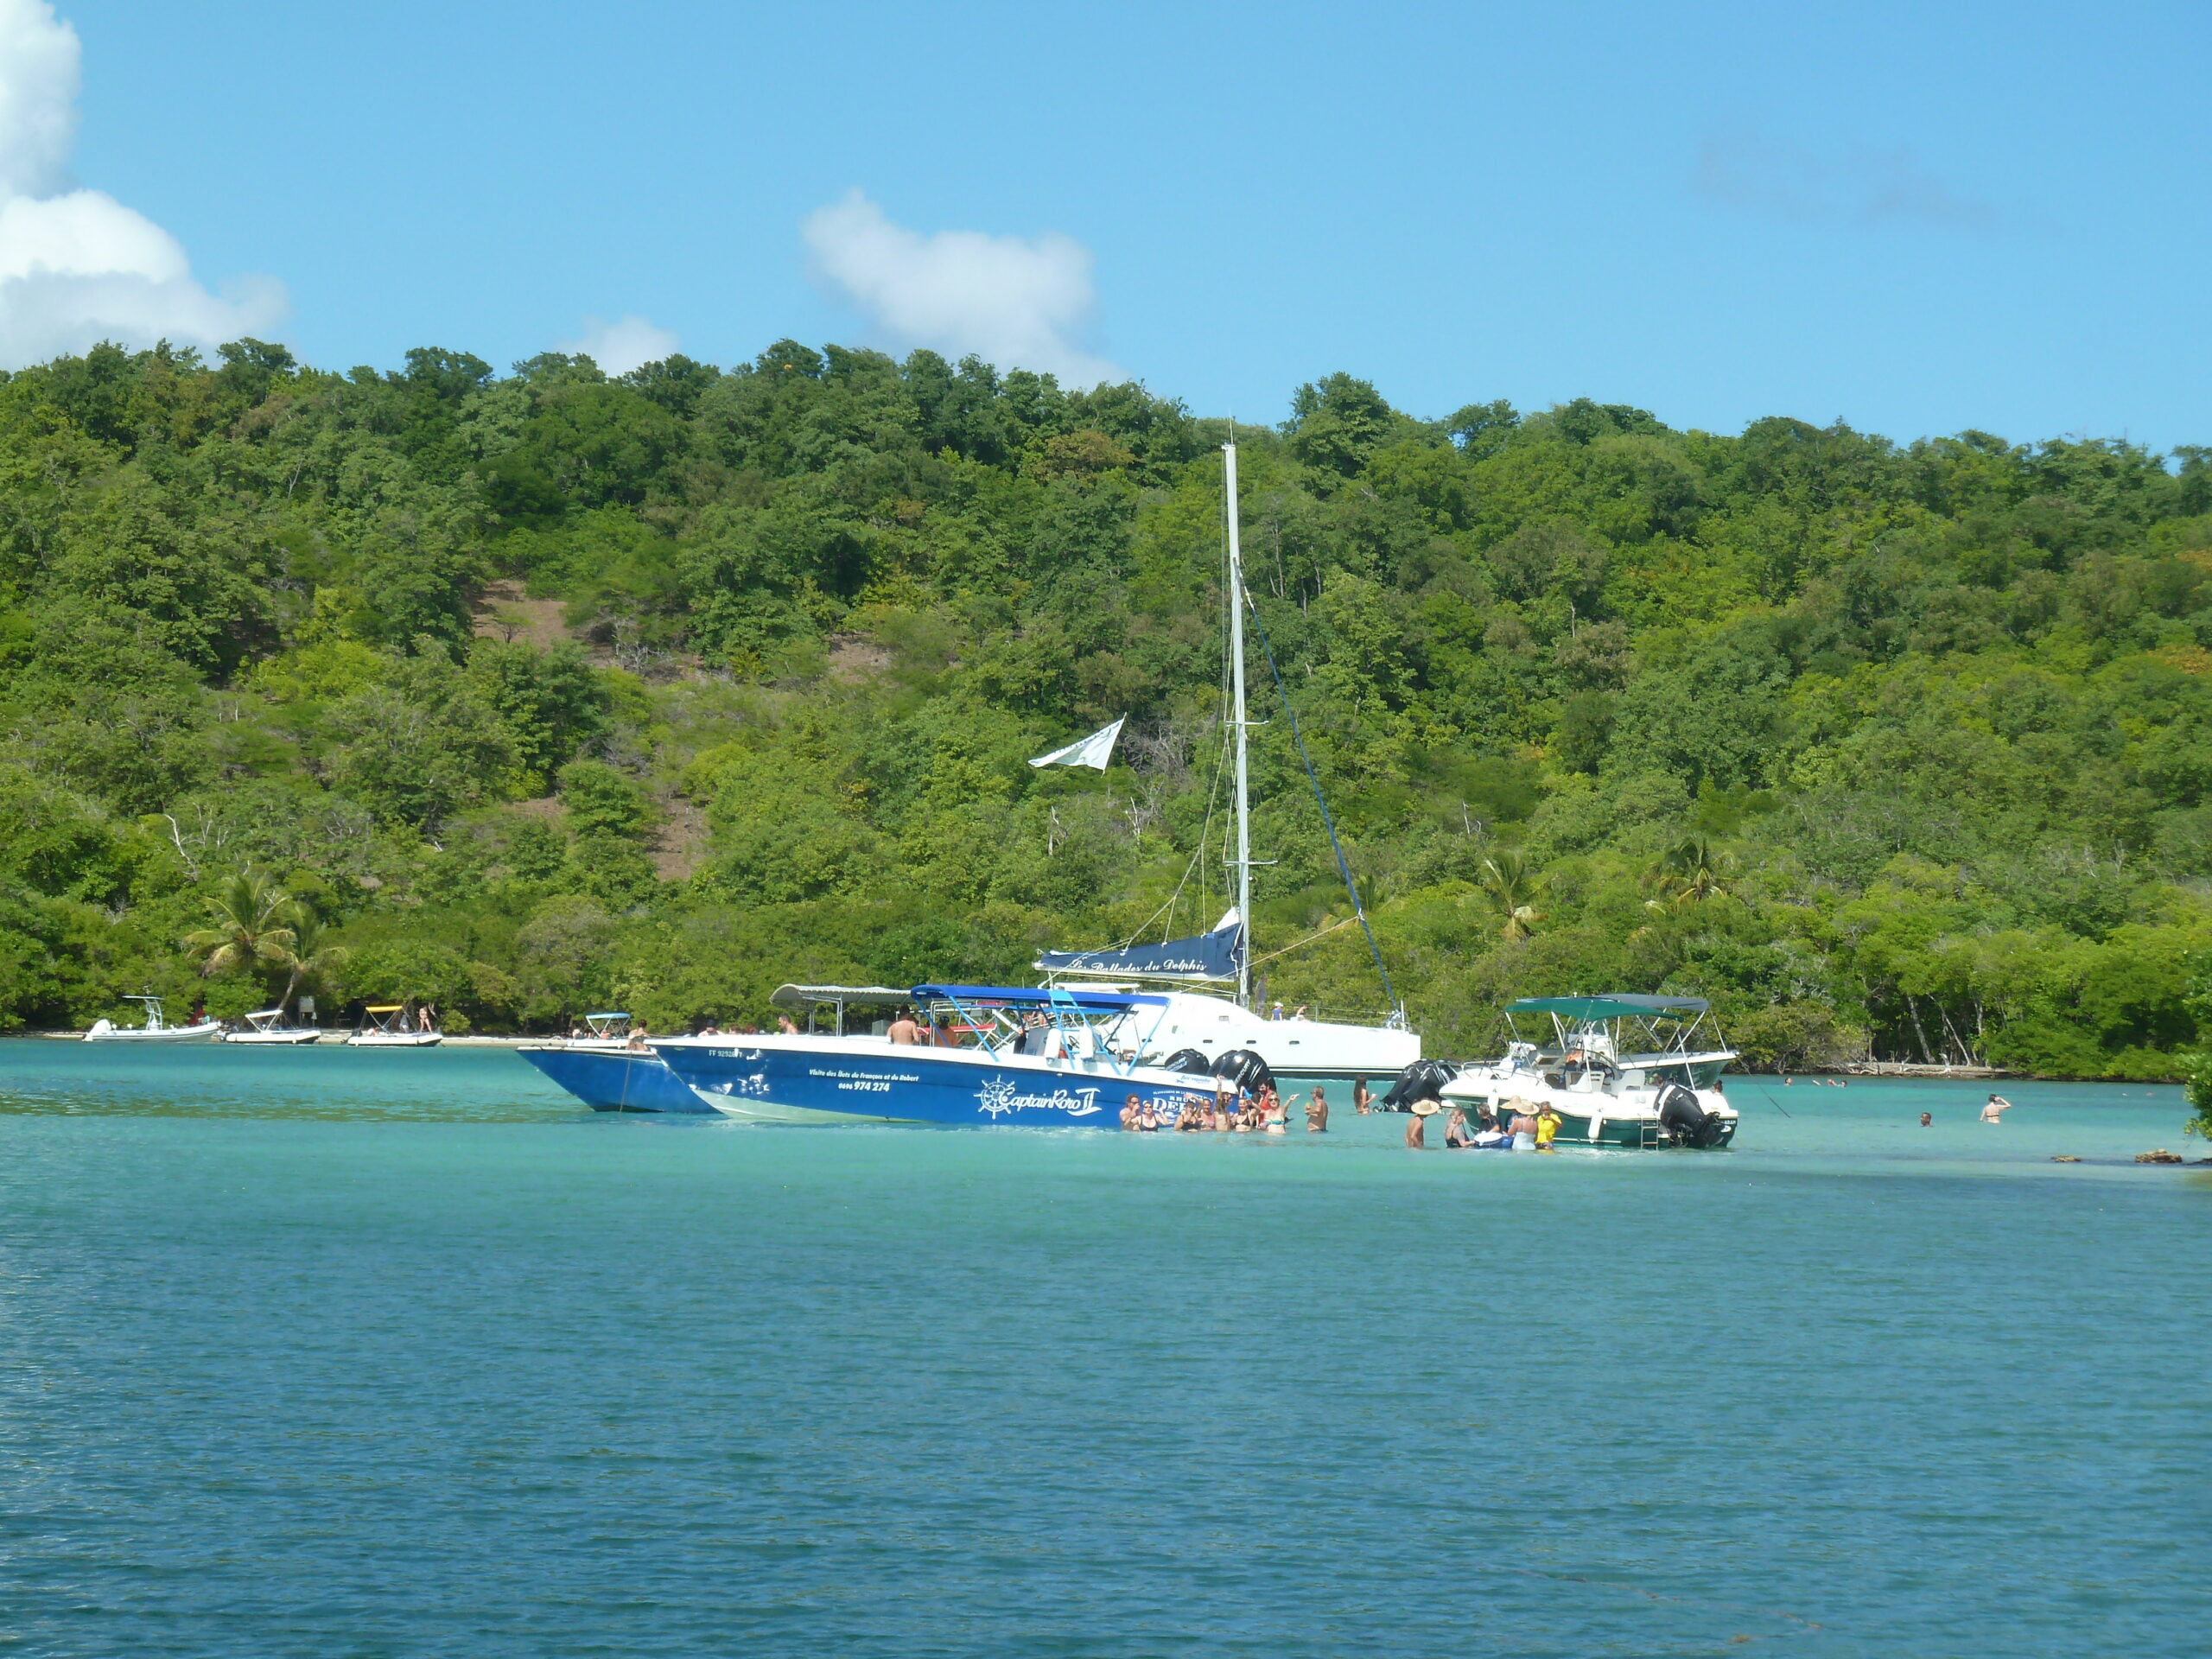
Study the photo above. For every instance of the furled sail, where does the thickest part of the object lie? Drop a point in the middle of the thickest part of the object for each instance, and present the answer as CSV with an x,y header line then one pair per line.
x,y
1203,956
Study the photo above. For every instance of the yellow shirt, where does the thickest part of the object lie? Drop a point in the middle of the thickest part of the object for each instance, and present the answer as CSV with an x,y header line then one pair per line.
x,y
1547,1122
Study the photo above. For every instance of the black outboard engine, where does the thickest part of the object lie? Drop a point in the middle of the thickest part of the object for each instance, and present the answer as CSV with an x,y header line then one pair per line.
x,y
1687,1124
1188,1059
1244,1070
1422,1080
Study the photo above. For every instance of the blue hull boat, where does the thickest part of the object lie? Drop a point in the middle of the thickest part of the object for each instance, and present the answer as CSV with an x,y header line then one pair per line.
x,y
798,1080
616,1079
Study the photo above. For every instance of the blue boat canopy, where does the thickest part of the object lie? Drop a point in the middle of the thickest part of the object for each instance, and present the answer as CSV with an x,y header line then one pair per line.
x,y
1048,996
618,1016
1621,1007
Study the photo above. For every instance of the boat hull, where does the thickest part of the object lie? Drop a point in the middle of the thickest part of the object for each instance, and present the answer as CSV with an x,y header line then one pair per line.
x,y
1633,1124
791,1080
274,1039
396,1039
203,1033
1642,1132
617,1080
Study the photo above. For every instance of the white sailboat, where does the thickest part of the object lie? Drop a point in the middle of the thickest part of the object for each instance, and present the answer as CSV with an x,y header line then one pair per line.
x,y
1209,1025
156,1030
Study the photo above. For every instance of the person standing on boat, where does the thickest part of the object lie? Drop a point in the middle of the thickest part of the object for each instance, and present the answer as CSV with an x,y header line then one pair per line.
x,y
1317,1112
903,1032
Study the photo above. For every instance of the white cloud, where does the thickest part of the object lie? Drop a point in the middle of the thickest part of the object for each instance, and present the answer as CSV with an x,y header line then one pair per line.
x,y
77,266
1013,301
619,346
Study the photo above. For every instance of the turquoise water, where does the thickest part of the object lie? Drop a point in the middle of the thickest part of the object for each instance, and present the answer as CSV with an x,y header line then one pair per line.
x,y
328,1353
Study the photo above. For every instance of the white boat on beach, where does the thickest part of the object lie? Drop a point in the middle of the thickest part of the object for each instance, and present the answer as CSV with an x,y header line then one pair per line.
x,y
156,1030
384,1025
266,1026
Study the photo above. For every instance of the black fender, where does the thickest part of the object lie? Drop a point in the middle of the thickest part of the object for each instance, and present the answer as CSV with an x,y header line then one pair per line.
x,y
1422,1080
1244,1070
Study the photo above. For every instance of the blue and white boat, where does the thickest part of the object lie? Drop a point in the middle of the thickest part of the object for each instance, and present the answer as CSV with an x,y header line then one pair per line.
x,y
608,1074
990,1055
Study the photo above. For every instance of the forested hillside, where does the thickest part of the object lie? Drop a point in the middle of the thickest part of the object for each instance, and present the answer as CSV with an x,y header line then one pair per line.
x,y
533,693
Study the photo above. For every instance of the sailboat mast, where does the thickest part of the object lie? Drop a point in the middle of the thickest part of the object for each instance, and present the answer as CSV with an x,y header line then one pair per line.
x,y
1236,597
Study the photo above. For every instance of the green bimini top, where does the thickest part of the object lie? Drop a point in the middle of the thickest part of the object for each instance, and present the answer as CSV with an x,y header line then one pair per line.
x,y
1621,1007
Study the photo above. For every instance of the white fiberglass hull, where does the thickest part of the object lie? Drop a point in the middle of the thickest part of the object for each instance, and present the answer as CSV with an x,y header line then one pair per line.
x,y
396,1039
205,1032
274,1039
1292,1048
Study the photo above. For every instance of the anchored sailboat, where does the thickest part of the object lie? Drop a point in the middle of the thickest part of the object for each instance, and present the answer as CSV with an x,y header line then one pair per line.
x,y
1211,1023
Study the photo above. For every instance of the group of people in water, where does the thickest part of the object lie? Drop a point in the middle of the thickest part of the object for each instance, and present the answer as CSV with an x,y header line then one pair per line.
x,y
1228,1110
1260,1110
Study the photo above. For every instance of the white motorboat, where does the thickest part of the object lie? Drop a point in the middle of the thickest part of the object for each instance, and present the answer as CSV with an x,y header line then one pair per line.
x,y
156,1030
1619,1071
384,1025
267,1026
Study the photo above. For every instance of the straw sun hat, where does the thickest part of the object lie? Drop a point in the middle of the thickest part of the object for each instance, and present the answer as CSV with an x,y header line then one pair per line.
x,y
1426,1108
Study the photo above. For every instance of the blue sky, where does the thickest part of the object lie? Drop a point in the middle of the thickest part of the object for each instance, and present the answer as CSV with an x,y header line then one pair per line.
x,y
1917,218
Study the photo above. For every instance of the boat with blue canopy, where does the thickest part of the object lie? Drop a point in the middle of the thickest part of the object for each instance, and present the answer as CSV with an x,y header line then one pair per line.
x,y
960,1054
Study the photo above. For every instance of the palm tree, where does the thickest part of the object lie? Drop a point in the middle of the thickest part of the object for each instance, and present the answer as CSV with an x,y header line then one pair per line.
x,y
307,952
252,924
1692,871
1514,887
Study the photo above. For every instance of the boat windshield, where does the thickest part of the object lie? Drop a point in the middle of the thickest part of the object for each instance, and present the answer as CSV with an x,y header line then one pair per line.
x,y
1693,1074
1052,1022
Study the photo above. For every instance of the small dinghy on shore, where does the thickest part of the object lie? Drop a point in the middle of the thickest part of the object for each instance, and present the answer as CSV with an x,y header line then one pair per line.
x,y
156,1030
267,1027
384,1025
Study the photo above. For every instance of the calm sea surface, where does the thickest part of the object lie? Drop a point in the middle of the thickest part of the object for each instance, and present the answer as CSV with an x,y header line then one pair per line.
x,y
336,1354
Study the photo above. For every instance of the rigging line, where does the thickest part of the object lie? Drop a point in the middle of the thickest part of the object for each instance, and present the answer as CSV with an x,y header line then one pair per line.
x,y
1344,866
1303,943
1213,790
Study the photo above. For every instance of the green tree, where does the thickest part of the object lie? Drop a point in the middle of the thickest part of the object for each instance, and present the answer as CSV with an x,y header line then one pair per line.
x,y
251,922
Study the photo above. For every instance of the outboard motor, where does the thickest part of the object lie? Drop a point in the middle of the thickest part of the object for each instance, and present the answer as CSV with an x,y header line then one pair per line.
x,y
1687,1124
1244,1070
1188,1059
1422,1080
